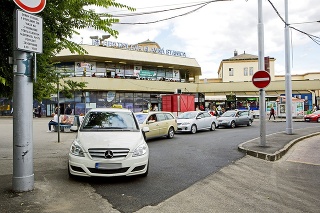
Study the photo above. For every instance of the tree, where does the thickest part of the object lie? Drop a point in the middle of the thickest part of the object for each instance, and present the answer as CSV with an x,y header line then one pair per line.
x,y
61,20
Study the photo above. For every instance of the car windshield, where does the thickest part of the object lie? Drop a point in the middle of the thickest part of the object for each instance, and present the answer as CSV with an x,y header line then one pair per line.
x,y
316,112
188,115
228,114
141,117
109,121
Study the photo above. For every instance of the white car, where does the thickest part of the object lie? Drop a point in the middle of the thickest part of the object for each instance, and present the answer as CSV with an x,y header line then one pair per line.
x,y
192,121
109,143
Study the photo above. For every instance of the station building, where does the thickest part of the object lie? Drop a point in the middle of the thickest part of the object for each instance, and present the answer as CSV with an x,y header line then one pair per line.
x,y
136,76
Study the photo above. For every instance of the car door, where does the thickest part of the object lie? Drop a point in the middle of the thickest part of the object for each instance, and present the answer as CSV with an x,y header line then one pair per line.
x,y
206,120
243,117
153,127
200,121
162,124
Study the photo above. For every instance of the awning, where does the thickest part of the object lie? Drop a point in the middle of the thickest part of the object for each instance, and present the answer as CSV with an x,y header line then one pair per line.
x,y
216,98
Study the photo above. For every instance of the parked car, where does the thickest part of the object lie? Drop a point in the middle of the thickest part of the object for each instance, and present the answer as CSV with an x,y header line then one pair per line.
x,y
192,121
315,116
159,123
109,143
233,118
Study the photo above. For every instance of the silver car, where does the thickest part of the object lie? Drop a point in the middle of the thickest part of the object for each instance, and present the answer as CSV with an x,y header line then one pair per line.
x,y
233,118
192,121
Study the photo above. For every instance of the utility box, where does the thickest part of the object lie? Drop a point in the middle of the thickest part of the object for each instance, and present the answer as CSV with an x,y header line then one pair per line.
x,y
177,103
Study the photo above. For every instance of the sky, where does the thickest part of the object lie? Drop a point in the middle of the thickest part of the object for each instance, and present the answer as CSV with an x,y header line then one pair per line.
x,y
213,32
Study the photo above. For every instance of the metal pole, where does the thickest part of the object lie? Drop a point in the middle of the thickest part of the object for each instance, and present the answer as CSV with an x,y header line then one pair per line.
x,y
262,111
58,100
289,128
23,176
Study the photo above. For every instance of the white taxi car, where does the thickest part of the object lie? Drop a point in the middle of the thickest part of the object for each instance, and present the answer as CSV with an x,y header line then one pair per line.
x,y
109,143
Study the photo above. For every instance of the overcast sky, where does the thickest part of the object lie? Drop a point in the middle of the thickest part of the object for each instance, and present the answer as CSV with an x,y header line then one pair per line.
x,y
213,32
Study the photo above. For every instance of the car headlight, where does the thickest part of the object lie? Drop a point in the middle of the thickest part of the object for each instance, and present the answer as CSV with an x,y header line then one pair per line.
x,y
140,150
76,149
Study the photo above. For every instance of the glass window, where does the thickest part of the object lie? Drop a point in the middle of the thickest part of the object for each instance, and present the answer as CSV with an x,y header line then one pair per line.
x,y
109,121
160,117
230,71
245,71
169,116
250,70
169,74
161,75
206,114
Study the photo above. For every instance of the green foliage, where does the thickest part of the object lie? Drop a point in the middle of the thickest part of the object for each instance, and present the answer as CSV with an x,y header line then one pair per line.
x,y
61,20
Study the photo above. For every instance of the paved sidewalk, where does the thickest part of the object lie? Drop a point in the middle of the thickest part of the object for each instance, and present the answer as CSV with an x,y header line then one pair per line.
x,y
277,144
279,183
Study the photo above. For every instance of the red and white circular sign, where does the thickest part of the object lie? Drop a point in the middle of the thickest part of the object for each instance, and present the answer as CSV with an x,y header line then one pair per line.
x,y
261,79
31,6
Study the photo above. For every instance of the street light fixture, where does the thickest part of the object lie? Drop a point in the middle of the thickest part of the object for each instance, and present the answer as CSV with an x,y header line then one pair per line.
x,y
96,41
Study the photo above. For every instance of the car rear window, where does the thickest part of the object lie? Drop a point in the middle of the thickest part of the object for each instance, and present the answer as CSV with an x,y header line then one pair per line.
x,y
169,116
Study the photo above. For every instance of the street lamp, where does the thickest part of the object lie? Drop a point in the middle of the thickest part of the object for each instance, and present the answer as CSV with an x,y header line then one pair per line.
x,y
96,41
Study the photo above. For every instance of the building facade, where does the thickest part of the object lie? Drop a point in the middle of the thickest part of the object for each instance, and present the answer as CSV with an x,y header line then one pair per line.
x,y
136,76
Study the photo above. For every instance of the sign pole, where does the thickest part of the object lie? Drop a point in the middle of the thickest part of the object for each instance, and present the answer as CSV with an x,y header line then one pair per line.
x,y
23,176
262,111
289,127
27,39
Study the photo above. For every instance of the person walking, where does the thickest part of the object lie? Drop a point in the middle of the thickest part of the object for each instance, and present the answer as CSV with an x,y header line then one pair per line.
x,y
68,110
272,113
39,111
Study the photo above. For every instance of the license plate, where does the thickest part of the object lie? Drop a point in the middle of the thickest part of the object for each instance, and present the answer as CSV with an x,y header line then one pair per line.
x,y
307,119
108,166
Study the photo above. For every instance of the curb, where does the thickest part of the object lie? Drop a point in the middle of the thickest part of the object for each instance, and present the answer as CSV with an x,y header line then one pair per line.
x,y
278,154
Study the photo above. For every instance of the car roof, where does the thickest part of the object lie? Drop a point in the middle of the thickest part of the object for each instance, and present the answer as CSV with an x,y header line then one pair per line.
x,y
109,110
151,112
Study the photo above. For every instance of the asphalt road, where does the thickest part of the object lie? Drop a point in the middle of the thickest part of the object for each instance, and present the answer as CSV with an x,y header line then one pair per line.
x,y
175,165
178,163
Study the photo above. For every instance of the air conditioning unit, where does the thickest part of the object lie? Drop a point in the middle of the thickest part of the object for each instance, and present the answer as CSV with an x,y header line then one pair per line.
x,y
177,91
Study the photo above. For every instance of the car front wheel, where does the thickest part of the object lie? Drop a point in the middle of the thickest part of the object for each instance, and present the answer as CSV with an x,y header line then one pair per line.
x,y
318,120
170,133
193,129
213,126
249,123
233,124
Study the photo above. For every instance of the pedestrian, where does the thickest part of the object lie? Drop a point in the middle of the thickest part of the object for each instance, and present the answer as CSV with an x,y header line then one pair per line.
x,y
155,107
53,122
39,111
272,113
68,110
314,108
201,107
57,110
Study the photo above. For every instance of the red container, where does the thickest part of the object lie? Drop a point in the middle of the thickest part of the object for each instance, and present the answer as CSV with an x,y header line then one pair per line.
x,y
178,103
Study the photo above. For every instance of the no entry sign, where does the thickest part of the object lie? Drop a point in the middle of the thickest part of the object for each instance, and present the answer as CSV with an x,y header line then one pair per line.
x,y
261,79
31,6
